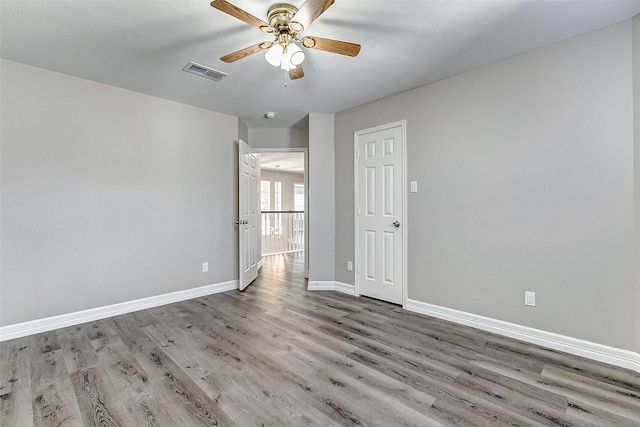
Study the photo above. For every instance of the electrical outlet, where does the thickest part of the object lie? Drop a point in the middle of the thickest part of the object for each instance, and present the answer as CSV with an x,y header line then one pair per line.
x,y
349,265
530,298
205,267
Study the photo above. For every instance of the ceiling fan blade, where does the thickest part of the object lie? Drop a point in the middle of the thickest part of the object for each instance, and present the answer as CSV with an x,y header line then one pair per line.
x,y
243,53
242,15
309,12
296,73
330,45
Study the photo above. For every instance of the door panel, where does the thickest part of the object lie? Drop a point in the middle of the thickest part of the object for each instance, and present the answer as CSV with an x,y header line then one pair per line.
x,y
387,256
249,170
379,193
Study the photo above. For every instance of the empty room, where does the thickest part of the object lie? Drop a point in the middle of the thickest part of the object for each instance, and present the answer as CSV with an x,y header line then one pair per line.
x,y
320,212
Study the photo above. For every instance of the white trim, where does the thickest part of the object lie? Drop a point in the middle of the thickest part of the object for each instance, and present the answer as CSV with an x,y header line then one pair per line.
x,y
31,327
602,353
356,221
402,124
320,285
405,215
345,288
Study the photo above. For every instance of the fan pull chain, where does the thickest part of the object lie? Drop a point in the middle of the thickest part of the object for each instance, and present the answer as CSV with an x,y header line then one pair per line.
x,y
286,83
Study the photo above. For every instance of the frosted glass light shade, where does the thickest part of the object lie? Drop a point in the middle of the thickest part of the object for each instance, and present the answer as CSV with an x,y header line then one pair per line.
x,y
296,55
274,54
286,62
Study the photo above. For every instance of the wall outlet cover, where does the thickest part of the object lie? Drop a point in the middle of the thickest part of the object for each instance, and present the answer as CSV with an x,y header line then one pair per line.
x,y
530,298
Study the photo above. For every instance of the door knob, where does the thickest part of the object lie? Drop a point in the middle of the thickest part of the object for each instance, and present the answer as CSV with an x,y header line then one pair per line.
x,y
396,224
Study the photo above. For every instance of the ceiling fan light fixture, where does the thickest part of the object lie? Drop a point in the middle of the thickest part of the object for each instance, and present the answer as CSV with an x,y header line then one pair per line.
x,y
286,22
287,57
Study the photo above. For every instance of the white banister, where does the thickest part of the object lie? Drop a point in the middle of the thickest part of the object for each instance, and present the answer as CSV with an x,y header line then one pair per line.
x,y
282,232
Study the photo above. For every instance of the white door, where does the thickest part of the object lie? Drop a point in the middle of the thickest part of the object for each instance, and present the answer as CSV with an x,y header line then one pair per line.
x,y
379,212
249,170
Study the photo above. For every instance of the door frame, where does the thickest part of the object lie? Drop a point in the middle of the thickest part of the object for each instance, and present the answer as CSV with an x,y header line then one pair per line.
x,y
306,199
403,129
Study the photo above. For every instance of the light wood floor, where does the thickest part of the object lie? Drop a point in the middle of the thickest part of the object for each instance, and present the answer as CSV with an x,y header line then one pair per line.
x,y
278,355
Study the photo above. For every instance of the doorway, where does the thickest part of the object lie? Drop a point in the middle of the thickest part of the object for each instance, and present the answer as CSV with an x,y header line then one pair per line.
x,y
283,203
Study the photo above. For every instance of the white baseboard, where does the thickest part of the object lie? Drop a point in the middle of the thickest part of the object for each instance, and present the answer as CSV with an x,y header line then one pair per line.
x,y
318,285
602,353
31,327
345,288
315,285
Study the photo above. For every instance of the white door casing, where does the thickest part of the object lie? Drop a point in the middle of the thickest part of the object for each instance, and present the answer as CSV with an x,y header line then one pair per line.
x,y
380,212
248,179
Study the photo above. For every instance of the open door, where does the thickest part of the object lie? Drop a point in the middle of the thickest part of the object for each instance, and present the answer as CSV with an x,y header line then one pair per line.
x,y
248,171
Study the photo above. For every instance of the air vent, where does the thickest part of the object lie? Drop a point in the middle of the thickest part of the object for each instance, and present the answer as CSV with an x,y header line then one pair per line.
x,y
203,71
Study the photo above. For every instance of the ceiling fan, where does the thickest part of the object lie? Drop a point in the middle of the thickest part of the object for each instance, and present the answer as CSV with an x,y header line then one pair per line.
x,y
285,22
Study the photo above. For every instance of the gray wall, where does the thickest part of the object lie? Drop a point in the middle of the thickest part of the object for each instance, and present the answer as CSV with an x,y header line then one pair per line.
x,y
243,131
321,189
279,138
109,195
636,109
287,179
525,179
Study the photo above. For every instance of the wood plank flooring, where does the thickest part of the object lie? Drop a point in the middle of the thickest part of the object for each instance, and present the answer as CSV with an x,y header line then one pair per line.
x,y
278,355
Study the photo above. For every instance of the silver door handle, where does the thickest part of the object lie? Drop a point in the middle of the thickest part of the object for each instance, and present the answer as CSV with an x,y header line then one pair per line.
x,y
396,224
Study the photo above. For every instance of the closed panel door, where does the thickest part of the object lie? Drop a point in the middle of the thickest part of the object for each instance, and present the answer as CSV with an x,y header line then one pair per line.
x,y
248,221
379,213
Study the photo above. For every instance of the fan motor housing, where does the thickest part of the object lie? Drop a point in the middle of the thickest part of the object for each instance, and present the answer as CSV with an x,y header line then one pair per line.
x,y
280,15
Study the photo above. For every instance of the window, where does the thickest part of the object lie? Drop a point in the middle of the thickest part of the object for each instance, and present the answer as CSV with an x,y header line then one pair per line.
x,y
265,205
277,193
298,196
265,195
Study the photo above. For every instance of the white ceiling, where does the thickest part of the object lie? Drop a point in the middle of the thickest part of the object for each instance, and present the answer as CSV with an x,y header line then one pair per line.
x,y
283,162
143,46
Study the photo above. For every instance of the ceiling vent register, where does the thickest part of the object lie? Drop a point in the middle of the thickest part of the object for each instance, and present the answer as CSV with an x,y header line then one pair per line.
x,y
204,71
